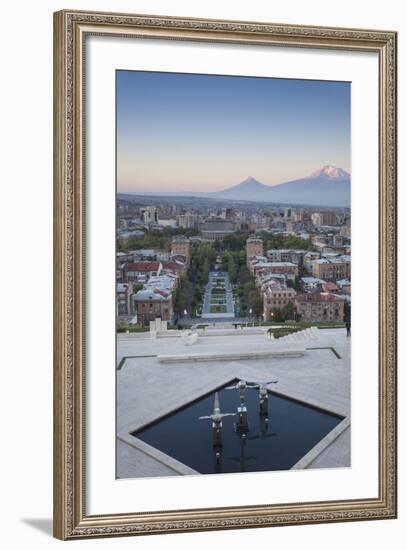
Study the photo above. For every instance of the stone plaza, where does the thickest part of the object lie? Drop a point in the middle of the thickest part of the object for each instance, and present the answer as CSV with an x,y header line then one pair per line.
x,y
162,370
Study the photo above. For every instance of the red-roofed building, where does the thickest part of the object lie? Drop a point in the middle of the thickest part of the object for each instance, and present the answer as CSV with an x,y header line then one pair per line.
x,y
330,287
142,271
163,293
178,258
176,267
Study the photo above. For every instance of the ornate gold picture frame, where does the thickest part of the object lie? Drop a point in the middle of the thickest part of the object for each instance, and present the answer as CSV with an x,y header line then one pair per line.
x,y
71,518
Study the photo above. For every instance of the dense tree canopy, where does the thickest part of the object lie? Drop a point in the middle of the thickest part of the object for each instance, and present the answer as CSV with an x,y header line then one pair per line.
x,y
189,293
182,298
285,241
235,242
232,251
160,240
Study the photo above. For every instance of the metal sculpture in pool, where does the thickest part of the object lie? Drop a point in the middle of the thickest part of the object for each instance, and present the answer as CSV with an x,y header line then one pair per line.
x,y
242,423
282,430
216,418
263,394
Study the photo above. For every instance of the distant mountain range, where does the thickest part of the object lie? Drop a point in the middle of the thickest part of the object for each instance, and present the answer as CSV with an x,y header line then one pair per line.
x,y
328,186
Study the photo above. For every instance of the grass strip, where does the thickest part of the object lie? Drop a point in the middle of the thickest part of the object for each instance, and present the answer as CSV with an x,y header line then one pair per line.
x,y
125,357
331,348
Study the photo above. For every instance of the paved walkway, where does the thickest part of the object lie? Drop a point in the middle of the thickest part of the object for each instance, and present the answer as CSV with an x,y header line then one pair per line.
x,y
227,297
318,377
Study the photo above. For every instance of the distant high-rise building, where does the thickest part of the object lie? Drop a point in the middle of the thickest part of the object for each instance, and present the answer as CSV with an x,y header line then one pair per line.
x,y
226,214
150,215
187,220
217,228
323,218
297,215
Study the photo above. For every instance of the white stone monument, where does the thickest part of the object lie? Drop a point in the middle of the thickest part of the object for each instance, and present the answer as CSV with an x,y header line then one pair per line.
x,y
157,326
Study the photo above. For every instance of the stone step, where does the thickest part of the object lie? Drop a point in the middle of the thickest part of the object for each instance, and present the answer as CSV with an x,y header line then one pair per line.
x,y
207,357
311,333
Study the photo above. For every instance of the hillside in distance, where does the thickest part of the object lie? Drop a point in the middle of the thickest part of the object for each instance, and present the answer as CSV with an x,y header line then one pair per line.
x,y
328,186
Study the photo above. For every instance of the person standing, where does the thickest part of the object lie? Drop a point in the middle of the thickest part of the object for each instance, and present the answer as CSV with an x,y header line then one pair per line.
x,y
347,324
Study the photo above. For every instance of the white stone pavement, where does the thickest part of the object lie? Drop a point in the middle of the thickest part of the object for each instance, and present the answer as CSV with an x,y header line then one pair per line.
x,y
148,388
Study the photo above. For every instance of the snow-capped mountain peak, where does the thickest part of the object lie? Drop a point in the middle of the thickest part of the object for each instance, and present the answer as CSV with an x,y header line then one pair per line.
x,y
328,186
330,172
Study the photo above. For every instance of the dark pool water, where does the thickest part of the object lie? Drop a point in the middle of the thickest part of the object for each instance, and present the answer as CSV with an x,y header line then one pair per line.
x,y
291,431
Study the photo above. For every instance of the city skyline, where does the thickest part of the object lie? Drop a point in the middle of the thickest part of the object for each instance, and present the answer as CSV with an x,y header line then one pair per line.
x,y
183,132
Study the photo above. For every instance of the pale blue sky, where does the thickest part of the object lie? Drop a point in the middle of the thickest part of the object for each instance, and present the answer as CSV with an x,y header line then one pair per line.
x,y
184,132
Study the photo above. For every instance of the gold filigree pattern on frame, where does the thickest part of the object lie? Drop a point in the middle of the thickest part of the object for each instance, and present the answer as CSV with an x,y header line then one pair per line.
x,y
71,30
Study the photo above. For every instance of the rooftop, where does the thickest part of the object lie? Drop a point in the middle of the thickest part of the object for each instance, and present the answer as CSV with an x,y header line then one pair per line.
x,y
165,282
143,267
278,286
286,251
344,259
343,282
318,297
312,280
151,295
282,264
174,266
122,287
330,287
311,253
180,239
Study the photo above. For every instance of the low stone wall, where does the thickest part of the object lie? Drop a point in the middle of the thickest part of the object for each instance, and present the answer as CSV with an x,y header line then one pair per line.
x,y
200,357
230,331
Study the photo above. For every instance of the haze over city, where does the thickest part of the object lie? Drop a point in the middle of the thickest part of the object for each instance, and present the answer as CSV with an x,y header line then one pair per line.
x,y
233,271
182,132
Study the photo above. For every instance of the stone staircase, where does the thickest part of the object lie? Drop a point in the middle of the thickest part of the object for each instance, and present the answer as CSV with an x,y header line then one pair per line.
x,y
305,335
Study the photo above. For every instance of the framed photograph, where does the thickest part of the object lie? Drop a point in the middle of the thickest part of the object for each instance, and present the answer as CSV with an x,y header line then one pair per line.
x,y
225,274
